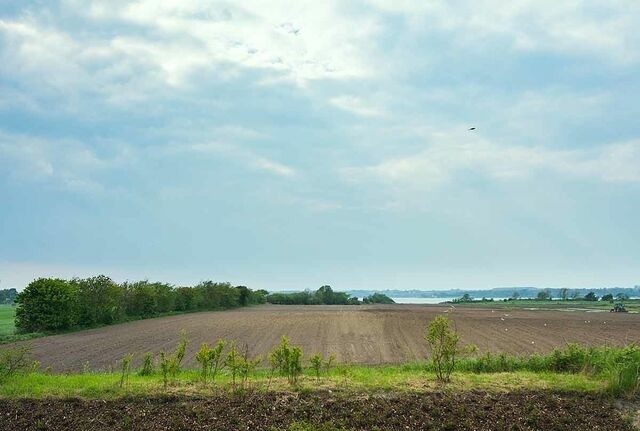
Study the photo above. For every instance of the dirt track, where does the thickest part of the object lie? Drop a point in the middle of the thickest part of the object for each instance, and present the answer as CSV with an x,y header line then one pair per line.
x,y
356,334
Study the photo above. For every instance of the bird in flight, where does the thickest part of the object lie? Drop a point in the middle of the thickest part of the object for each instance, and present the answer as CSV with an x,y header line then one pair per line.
x,y
472,128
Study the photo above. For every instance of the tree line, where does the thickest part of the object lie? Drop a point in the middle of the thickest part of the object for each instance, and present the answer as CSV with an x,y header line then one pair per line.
x,y
8,296
51,304
325,295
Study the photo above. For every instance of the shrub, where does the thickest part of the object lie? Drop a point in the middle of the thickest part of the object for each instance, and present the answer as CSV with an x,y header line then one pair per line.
x,y
287,360
148,367
233,362
46,304
443,339
166,367
210,360
625,380
181,350
125,368
319,365
14,360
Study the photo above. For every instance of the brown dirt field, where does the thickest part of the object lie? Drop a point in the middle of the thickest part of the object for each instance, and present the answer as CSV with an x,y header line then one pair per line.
x,y
372,334
268,411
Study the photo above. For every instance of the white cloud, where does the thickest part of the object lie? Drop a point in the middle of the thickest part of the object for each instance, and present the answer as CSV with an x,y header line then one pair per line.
x,y
607,28
457,154
65,163
302,41
247,156
356,106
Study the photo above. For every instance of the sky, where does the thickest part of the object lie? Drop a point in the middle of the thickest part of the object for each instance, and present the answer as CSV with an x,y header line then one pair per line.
x,y
287,145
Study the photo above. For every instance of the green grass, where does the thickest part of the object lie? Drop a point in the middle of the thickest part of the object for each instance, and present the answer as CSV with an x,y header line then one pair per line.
x,y
7,319
632,305
8,332
356,378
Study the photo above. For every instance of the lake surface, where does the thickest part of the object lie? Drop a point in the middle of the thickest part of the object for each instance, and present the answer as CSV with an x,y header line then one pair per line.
x,y
410,300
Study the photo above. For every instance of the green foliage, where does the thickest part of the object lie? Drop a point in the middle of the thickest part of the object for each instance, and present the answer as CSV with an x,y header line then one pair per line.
x,y
287,361
321,366
625,380
46,304
240,366
210,360
607,297
170,364
323,296
544,295
443,339
13,361
125,368
148,367
8,296
621,365
99,301
591,297
166,366
378,298
53,304
181,350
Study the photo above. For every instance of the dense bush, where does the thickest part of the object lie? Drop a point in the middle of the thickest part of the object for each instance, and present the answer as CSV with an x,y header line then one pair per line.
x,y
287,361
47,304
100,301
323,296
53,304
378,298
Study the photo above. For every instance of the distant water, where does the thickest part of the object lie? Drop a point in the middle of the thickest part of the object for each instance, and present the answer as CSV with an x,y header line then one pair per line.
x,y
420,300
427,300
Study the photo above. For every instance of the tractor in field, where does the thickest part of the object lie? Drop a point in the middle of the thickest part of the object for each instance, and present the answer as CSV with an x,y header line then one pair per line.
x,y
618,308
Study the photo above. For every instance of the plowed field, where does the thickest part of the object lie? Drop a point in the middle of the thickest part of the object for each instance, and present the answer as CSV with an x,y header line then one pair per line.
x,y
355,334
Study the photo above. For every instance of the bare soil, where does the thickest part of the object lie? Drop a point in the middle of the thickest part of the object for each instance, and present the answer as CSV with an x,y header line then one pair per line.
x,y
355,334
268,411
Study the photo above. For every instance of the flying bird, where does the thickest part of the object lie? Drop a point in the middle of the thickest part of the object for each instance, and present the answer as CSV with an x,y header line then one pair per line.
x,y
472,128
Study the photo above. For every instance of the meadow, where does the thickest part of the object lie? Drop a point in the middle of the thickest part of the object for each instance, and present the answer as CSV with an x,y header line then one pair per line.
x,y
7,317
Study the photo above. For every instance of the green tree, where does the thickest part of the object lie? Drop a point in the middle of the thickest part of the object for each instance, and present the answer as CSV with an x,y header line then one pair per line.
x,y
590,297
607,297
100,300
140,299
46,304
564,293
378,298
443,340
287,360
544,295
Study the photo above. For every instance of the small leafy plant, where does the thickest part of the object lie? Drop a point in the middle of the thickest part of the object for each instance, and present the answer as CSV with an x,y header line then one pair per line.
x,y
148,367
125,368
443,338
319,365
287,360
13,361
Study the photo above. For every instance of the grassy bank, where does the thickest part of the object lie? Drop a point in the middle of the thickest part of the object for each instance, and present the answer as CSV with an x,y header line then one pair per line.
x,y
344,379
614,370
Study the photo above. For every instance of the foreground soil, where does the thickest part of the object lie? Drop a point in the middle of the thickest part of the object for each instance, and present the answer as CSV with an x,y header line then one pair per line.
x,y
267,411
355,334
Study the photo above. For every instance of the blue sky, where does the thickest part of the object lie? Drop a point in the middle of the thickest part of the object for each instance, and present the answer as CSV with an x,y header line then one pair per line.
x,y
285,145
